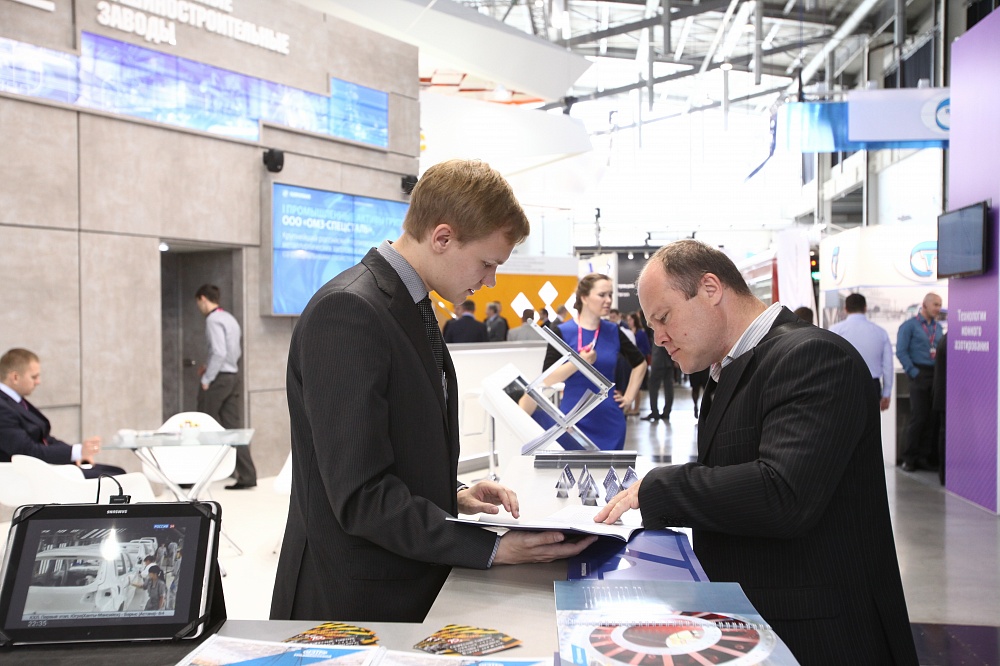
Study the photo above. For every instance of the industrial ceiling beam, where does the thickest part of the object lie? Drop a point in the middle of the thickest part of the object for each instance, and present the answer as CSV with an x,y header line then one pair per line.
x,y
683,11
607,92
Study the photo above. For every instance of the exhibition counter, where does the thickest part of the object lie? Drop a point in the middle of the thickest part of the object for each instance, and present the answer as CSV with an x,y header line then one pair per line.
x,y
517,600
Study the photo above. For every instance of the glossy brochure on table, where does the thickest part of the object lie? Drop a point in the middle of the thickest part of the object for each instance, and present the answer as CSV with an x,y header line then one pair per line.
x,y
643,623
572,518
226,651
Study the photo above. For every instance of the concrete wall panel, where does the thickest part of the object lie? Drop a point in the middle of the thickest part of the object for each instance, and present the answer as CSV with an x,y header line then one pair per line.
x,y
140,179
38,172
41,307
120,332
266,339
271,441
54,30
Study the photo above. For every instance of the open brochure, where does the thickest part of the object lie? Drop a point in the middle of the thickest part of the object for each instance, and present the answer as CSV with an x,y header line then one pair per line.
x,y
650,623
573,518
227,651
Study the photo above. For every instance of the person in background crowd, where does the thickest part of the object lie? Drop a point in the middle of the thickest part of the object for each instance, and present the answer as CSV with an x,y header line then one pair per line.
x,y
916,347
523,333
805,314
872,342
634,322
221,394
25,431
598,341
496,326
661,375
940,400
562,315
788,494
465,327
543,319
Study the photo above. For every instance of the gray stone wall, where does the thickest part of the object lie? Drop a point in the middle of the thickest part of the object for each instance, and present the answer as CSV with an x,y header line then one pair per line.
x,y
86,197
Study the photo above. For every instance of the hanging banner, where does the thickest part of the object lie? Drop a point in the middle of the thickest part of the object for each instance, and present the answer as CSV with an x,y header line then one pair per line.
x,y
907,114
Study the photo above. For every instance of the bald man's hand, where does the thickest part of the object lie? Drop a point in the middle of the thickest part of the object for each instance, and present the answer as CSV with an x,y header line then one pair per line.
x,y
619,504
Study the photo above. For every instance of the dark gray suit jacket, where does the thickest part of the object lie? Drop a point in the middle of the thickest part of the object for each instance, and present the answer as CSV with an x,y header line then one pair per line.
x,y
27,432
788,498
374,459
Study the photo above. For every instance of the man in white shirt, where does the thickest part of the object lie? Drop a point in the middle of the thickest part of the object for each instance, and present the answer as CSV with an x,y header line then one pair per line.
x,y
221,394
871,341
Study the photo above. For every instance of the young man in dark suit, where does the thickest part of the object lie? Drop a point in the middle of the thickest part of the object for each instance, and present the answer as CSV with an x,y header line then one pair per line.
x,y
24,430
788,495
372,400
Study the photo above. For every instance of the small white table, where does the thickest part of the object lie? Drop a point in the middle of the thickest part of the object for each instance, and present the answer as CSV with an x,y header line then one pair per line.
x,y
144,443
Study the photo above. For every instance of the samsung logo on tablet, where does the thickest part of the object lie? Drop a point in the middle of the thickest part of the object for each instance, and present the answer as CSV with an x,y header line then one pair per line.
x,y
117,511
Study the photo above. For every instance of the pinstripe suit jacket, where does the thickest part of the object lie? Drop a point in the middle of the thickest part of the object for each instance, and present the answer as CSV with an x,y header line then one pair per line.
x,y
788,498
374,459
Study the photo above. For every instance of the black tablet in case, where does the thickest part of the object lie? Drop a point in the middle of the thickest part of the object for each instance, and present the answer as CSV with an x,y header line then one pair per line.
x,y
82,572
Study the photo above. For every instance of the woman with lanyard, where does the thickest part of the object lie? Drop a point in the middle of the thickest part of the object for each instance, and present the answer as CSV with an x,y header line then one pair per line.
x,y
598,341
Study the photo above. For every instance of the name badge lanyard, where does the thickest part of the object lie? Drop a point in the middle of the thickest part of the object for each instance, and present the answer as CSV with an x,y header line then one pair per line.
x,y
579,338
931,334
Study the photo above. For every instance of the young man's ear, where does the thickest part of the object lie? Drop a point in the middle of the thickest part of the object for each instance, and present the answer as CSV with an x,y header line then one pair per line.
x,y
441,236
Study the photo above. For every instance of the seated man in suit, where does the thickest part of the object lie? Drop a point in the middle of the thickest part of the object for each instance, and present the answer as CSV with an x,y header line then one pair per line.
x,y
788,495
496,326
465,327
25,431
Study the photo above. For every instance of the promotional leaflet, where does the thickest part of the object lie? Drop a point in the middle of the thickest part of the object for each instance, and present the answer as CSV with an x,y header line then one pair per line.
x,y
650,623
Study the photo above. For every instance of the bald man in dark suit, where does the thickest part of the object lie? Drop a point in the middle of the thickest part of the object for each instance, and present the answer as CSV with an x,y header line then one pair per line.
x,y
788,495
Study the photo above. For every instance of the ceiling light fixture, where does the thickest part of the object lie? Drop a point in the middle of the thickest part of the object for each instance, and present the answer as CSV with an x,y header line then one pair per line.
x,y
164,247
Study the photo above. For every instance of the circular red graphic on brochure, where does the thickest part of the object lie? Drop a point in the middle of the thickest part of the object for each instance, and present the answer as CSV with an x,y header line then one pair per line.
x,y
694,639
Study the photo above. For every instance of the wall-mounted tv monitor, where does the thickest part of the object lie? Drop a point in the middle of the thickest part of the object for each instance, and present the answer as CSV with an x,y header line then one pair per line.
x,y
962,246
317,234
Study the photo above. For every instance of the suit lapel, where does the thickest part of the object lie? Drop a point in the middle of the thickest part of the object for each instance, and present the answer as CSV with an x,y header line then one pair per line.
x,y
404,311
730,380
721,398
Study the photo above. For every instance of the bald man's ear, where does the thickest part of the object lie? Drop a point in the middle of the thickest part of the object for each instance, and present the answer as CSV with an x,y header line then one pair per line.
x,y
711,285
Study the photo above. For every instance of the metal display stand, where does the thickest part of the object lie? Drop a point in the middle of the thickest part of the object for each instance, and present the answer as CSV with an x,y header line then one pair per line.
x,y
508,380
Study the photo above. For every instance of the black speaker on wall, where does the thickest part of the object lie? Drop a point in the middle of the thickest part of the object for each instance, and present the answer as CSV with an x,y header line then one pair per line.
x,y
274,160
407,183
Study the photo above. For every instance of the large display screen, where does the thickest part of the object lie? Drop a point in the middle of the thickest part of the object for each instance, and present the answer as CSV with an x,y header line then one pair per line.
x,y
316,235
118,77
961,246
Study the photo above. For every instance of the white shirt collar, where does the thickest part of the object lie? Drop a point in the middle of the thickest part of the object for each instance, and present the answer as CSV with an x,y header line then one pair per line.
x,y
15,396
753,334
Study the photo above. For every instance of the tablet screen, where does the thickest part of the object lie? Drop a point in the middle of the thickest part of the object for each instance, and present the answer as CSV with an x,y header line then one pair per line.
x,y
105,572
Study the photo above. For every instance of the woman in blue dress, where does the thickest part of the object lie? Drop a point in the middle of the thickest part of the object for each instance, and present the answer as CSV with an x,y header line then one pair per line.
x,y
598,341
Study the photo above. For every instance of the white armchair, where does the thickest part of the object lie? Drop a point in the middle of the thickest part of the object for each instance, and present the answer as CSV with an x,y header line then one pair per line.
x,y
65,484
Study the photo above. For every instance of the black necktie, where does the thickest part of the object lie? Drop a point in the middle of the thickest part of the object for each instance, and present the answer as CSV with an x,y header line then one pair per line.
x,y
432,330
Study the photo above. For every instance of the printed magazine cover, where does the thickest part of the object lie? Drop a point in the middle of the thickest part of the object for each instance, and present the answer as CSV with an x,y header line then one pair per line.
x,y
656,622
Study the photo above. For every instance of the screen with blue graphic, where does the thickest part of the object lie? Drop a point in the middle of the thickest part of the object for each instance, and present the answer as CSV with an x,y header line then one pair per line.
x,y
317,234
961,246
118,77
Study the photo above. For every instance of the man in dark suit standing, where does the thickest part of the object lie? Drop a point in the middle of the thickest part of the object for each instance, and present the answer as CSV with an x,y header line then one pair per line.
x,y
465,327
24,430
372,400
788,495
496,326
